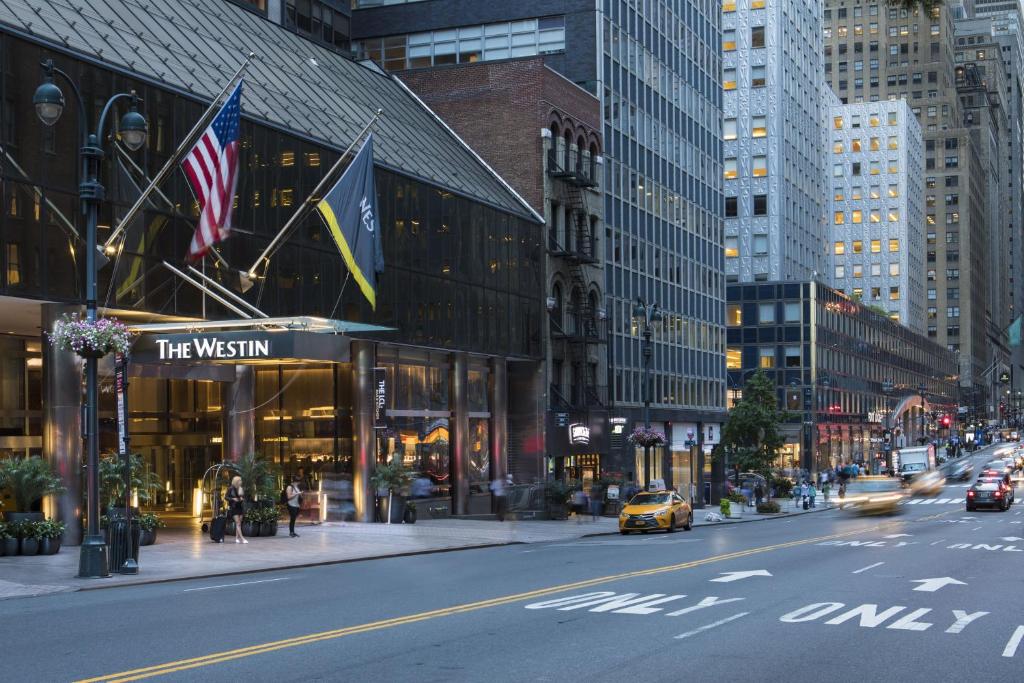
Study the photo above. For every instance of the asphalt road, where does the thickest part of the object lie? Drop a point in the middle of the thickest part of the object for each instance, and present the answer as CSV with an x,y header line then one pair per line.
x,y
929,595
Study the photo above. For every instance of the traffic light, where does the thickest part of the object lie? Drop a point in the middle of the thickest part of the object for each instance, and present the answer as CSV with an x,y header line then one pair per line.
x,y
945,420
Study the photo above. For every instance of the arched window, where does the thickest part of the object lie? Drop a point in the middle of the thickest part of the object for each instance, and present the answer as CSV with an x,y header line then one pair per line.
x,y
594,153
576,312
581,146
567,153
556,305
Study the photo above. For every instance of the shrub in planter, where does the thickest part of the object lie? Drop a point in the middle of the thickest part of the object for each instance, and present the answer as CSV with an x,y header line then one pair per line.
x,y
28,480
28,533
724,506
145,482
50,532
9,541
737,497
410,512
148,525
556,495
768,507
265,517
3,538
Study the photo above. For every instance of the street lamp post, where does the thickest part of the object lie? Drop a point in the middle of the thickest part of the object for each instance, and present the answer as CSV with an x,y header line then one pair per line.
x,y
49,104
887,389
921,388
648,314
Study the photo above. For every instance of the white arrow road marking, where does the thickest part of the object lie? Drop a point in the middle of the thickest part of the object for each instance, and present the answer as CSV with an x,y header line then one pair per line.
x,y
1011,645
932,585
1012,538
898,536
708,627
870,566
729,577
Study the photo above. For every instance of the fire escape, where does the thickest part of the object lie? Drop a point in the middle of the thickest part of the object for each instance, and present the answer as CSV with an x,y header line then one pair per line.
x,y
584,330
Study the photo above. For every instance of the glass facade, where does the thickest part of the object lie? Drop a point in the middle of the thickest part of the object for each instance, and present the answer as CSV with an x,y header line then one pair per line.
x,y
458,275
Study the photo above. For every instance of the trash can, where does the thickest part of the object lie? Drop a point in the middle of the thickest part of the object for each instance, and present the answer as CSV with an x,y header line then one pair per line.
x,y
124,544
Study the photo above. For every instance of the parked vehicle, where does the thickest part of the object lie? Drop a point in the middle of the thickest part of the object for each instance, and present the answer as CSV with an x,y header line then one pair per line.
x,y
915,461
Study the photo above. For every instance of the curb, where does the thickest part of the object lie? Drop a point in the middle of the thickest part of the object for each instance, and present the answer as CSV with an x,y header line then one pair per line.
x,y
100,586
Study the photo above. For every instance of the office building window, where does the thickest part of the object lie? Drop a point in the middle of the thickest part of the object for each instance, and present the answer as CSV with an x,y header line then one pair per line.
x,y
729,168
728,79
894,215
894,245
729,129
733,358
876,246
894,269
792,356
759,167
757,76
734,315
894,191
757,36
758,126
839,218
876,269
858,246
766,356
760,205
766,313
839,248
732,249
840,272
856,216
760,245
894,294
729,40
731,207
858,270
837,147
791,312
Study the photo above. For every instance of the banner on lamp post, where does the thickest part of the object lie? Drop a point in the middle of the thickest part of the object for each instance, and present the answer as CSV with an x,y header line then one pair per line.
x,y
380,398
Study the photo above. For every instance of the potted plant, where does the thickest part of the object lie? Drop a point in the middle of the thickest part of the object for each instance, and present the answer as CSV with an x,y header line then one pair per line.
x,y
556,495
3,539
388,480
738,501
268,517
50,532
251,522
91,339
28,480
259,477
144,482
28,532
724,507
148,525
410,512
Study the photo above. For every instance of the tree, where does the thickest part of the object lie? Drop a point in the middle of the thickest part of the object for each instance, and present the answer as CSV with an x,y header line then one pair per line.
x,y
926,6
751,435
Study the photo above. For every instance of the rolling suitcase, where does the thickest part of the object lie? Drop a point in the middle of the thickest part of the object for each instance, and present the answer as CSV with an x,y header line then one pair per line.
x,y
217,528
807,506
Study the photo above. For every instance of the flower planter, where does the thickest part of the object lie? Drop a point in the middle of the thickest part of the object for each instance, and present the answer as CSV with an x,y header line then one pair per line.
x,y
558,511
147,537
250,529
735,510
49,546
410,515
229,527
29,546
268,529
10,546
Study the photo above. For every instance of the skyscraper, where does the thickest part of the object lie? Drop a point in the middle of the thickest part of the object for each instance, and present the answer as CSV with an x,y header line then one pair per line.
x,y
774,170
655,69
874,51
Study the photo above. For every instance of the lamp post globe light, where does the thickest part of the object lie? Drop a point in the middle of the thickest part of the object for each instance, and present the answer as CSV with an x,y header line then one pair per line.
x,y
49,105
648,315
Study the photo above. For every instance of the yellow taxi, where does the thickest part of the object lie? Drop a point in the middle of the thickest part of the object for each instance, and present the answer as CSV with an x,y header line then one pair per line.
x,y
873,495
927,483
655,510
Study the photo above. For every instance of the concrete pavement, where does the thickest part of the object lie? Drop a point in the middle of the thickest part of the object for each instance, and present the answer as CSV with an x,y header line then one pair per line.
x,y
183,553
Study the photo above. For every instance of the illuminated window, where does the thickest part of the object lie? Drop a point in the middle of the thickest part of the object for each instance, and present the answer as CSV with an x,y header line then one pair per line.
x,y
729,79
734,315
894,294
894,191
856,193
729,129
838,196
892,118
758,79
875,216
875,192
894,215
839,248
766,357
858,246
894,166
876,246
729,167
856,216
874,121
837,147
758,4
855,145
760,165
758,126
287,158
858,270
837,122
893,143
732,249
875,145
729,40
733,358
728,6
894,245
839,219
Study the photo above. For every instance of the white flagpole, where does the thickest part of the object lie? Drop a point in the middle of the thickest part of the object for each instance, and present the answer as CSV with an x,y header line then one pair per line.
x,y
176,157
315,194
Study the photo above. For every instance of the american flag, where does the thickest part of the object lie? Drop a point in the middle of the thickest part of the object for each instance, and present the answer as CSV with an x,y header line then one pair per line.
x,y
212,170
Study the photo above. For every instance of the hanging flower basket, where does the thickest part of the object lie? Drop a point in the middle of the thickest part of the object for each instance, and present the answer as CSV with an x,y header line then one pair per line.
x,y
91,340
641,436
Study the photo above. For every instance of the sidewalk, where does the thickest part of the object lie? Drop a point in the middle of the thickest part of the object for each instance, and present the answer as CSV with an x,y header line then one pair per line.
x,y
187,553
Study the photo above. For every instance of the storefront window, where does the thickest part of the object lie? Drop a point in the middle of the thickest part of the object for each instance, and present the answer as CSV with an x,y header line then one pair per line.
x,y
479,456
422,444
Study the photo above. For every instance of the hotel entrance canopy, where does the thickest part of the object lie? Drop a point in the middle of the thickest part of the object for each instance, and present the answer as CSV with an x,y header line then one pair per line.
x,y
301,339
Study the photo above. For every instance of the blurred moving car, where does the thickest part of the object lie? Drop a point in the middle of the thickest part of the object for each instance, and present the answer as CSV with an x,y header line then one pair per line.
x,y
874,495
655,510
988,492
997,467
960,470
927,484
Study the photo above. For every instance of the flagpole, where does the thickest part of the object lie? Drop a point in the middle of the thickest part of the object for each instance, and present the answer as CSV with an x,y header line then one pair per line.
x,y
175,158
300,212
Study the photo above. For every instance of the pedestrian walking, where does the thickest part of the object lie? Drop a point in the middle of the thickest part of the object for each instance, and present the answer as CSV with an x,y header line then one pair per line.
x,y
812,493
758,492
500,493
595,504
293,492
236,506
805,490
826,488
579,503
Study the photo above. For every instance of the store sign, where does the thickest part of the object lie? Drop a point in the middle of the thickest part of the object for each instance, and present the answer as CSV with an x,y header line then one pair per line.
x,y
712,433
121,387
380,398
618,425
579,434
211,347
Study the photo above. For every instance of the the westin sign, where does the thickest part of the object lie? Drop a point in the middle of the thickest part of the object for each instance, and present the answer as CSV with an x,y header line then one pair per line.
x,y
212,348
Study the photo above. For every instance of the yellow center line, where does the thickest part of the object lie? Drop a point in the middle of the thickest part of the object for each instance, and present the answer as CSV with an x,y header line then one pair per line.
x,y
228,655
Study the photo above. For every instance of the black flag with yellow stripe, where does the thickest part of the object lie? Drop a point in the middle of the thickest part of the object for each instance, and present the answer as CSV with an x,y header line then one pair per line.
x,y
350,212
